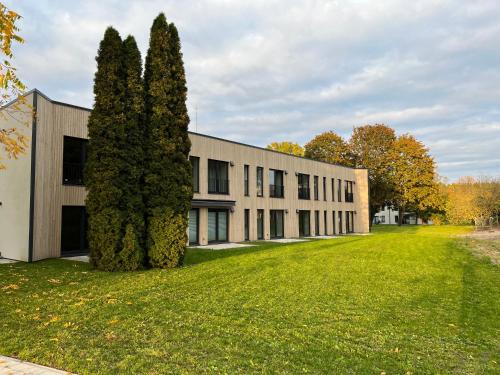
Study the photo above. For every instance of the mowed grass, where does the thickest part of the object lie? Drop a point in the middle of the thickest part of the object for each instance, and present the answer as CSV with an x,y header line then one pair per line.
x,y
409,299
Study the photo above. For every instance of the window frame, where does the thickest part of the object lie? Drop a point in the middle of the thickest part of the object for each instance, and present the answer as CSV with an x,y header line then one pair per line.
x,y
218,162
196,189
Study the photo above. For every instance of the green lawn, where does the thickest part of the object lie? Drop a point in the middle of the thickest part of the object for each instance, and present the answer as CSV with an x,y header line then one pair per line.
x,y
402,300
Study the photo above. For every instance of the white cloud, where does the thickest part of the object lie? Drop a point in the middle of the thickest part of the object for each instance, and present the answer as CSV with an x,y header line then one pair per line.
x,y
269,70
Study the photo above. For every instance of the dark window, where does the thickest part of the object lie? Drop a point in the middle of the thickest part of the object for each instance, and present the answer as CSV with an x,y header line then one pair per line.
x,y
333,189
74,157
316,223
339,191
339,215
325,219
349,196
382,219
218,182
316,188
260,224
260,181
276,223
303,182
74,231
246,171
304,223
333,222
396,219
276,188
194,225
195,164
218,225
247,224
324,188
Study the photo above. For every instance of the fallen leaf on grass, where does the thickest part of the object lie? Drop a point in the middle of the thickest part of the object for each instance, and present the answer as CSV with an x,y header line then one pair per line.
x,y
10,287
54,281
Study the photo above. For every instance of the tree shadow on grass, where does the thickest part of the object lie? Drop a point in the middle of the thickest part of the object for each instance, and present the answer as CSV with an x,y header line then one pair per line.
x,y
198,256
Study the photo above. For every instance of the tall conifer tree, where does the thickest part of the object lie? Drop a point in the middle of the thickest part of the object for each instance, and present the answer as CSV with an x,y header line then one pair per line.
x,y
168,172
103,172
132,253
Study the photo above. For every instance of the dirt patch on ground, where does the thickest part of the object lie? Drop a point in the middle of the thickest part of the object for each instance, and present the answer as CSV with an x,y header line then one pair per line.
x,y
484,244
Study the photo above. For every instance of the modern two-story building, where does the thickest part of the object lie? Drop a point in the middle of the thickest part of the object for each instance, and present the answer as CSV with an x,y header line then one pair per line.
x,y
242,192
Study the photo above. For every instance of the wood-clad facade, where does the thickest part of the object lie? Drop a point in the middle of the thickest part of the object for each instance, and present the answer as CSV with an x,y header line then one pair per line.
x,y
243,192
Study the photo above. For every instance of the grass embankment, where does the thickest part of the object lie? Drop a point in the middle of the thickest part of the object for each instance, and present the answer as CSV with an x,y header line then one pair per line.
x,y
404,299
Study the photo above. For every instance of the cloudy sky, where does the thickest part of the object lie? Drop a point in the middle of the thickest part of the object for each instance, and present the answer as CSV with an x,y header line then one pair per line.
x,y
262,71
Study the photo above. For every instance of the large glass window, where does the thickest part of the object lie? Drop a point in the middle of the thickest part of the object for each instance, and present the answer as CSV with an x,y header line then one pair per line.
x,y
193,226
333,222
333,189
260,224
303,183
316,223
218,182
325,221
195,165
260,181
74,157
276,223
246,177
316,188
349,196
276,187
304,223
247,224
339,191
217,225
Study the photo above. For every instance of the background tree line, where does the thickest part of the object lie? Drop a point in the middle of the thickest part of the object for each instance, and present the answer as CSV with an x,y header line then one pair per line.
x,y
401,171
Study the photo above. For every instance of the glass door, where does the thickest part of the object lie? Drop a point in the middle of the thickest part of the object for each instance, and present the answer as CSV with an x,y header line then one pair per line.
x,y
340,221
247,225
260,224
276,223
193,226
304,224
316,223
217,225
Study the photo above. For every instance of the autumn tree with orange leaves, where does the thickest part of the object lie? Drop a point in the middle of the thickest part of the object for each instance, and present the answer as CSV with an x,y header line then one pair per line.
x,y
12,142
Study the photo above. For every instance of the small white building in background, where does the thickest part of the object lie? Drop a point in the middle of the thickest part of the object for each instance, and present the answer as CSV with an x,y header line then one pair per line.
x,y
390,215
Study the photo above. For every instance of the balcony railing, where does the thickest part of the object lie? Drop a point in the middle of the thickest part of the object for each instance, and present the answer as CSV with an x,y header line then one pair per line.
x,y
276,191
218,186
304,193
349,197
73,174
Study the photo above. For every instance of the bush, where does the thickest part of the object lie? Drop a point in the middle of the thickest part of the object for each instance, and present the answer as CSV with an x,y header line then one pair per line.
x,y
167,238
103,235
131,255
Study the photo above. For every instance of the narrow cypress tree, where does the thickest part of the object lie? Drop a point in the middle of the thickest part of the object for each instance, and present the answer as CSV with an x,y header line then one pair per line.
x,y
103,176
132,253
168,172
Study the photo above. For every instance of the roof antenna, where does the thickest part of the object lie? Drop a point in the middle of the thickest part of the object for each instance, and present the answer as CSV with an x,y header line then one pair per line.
x,y
196,118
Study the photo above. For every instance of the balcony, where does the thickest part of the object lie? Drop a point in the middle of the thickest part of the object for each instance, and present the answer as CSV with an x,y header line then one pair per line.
x,y
218,186
304,193
73,174
276,191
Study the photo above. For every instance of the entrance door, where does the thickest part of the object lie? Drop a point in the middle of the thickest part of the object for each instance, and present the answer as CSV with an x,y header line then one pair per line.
x,y
304,223
74,231
276,223
217,225
194,220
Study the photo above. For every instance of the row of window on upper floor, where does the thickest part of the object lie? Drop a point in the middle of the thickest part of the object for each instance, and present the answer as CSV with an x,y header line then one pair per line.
x,y
218,182
75,154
